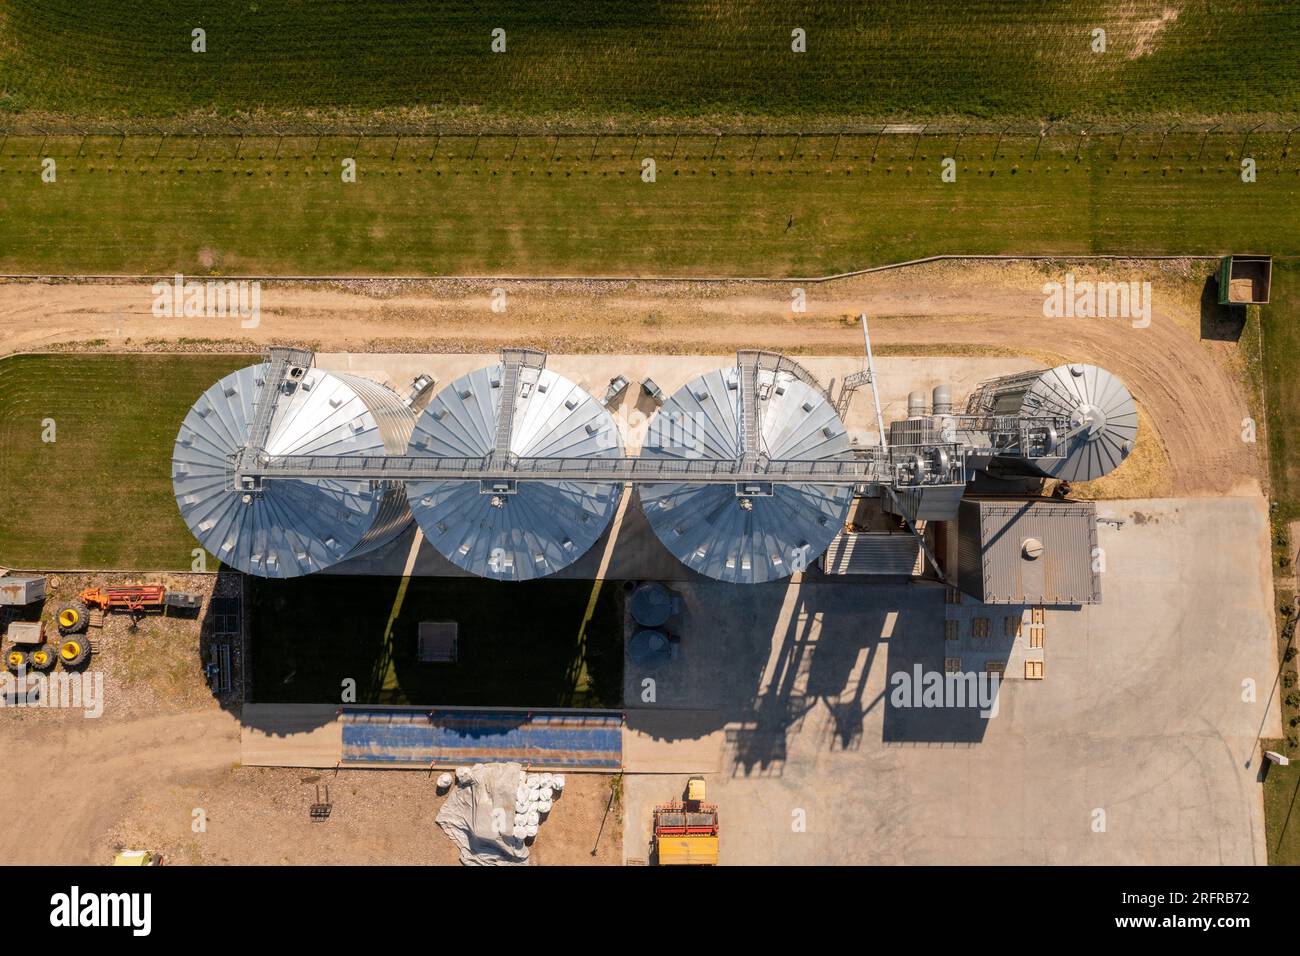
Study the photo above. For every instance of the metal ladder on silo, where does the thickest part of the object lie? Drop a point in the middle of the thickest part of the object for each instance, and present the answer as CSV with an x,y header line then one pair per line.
x,y
513,362
277,363
750,426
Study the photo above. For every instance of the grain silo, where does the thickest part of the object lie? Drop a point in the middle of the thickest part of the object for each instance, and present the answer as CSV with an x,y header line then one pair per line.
x,y
751,531
1095,421
517,528
289,526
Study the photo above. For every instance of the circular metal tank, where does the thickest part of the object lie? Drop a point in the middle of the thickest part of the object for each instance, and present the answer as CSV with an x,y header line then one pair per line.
x,y
534,528
292,526
652,605
649,649
720,530
1101,412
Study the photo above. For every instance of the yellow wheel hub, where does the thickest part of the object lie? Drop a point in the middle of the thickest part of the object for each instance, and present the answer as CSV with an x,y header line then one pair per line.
x,y
68,617
15,659
70,650
40,658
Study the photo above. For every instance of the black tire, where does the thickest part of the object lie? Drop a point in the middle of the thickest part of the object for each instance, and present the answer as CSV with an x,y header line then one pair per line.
x,y
16,659
49,652
79,615
75,658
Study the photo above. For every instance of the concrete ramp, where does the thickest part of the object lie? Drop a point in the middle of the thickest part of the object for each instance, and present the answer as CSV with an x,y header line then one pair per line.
x,y
326,736
673,741
290,735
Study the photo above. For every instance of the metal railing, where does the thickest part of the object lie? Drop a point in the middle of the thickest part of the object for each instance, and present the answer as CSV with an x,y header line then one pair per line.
x,y
275,371
870,465
925,458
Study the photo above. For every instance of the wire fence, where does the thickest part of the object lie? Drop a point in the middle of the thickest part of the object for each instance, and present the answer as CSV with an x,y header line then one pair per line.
x,y
1188,142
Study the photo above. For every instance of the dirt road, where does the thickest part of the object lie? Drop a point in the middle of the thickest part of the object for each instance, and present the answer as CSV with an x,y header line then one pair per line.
x,y
1189,385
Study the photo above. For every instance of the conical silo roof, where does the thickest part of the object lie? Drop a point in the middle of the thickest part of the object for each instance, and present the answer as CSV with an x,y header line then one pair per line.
x,y
537,527
291,526
718,529
1103,417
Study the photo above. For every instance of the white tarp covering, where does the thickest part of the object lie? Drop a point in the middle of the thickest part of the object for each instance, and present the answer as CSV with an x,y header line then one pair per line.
x,y
479,814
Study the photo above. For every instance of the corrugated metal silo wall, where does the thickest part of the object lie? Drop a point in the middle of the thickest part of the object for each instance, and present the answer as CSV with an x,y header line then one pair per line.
x,y
396,423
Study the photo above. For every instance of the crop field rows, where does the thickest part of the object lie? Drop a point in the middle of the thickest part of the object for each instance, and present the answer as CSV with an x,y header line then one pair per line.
x,y
647,58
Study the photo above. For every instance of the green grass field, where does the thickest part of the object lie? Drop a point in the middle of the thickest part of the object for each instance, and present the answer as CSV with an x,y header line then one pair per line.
x,y
742,205
519,642
650,58
100,495
1281,327
1282,810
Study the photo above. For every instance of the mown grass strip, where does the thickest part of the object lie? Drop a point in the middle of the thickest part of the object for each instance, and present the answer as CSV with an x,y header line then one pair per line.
x,y
782,213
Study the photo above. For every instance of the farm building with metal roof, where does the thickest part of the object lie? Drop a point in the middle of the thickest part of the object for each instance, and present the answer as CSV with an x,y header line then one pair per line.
x,y
1036,551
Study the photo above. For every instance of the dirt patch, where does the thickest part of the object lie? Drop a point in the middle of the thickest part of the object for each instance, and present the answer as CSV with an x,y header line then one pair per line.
x,y
261,816
159,726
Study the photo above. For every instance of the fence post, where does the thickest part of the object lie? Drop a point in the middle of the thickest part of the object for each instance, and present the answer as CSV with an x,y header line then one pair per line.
x,y
1247,139
1205,139
1123,136
998,145
836,148
917,148
716,141
1161,148
754,152
1079,146
1042,135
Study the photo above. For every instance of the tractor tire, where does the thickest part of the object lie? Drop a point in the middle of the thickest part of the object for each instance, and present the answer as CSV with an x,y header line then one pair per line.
x,y
43,658
74,652
73,618
16,659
